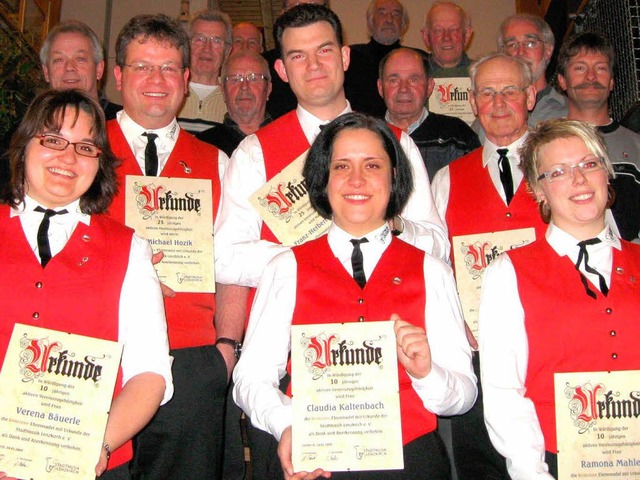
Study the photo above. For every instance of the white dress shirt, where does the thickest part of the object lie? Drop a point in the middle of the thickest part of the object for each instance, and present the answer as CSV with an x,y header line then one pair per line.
x,y
504,351
441,184
142,327
450,387
241,256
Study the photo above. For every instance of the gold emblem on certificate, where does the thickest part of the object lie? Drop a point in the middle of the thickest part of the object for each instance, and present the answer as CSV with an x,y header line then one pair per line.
x,y
346,406
472,255
283,204
56,391
451,97
176,216
597,420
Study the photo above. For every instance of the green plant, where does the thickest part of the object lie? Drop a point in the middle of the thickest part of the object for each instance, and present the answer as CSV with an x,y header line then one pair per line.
x,y
20,78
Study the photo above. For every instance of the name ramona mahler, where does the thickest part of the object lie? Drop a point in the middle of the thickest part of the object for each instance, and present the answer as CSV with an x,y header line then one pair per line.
x,y
620,462
330,407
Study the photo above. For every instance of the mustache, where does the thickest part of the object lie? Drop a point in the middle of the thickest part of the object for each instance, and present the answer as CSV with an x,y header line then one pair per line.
x,y
590,85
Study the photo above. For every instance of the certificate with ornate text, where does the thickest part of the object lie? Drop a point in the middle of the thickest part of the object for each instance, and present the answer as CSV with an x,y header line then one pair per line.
x,y
451,97
598,420
55,395
472,255
283,204
346,405
176,216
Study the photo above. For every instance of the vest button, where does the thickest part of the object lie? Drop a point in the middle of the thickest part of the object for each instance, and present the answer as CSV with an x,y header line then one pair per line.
x,y
508,215
612,333
609,310
361,301
397,280
361,318
619,270
38,284
35,315
614,355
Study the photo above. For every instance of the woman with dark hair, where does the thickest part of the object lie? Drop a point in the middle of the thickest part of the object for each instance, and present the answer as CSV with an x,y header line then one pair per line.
x,y
67,267
358,176
568,302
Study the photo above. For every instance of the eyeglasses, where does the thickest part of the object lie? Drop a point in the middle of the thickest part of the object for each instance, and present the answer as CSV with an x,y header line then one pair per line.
x,y
249,78
199,40
508,93
141,68
562,172
246,42
54,142
512,46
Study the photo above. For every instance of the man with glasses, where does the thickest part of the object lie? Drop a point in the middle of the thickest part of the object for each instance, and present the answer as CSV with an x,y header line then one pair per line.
x,y
246,84
585,73
184,439
210,34
477,195
247,36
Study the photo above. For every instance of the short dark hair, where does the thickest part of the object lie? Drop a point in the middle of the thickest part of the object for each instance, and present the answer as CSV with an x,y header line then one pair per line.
x,y
303,15
424,60
158,27
47,112
316,167
589,41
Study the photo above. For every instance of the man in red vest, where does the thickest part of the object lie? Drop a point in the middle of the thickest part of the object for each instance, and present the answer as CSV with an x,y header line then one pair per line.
x,y
185,438
484,192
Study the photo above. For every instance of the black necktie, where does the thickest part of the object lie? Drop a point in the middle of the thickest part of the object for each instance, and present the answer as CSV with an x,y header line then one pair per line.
x,y
151,155
44,249
505,173
357,262
584,254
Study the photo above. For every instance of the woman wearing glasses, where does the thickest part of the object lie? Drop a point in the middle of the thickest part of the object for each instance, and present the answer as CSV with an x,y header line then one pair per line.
x,y
357,175
568,302
66,266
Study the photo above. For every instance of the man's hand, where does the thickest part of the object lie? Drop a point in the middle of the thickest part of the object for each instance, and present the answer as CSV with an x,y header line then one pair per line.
x,y
166,291
413,349
284,453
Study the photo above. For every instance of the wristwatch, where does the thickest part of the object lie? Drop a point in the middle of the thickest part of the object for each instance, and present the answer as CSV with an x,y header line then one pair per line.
x,y
237,346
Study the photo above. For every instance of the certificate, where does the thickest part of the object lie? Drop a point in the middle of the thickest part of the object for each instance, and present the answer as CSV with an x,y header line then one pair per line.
x,y
176,216
283,204
451,97
346,405
597,419
55,394
472,255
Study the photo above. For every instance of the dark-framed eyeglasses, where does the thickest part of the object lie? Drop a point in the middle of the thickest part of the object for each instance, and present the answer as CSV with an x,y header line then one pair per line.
x,y
55,142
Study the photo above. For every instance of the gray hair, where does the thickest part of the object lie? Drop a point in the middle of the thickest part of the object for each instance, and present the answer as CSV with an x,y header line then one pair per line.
x,y
542,26
525,69
405,16
246,53
214,16
466,19
71,26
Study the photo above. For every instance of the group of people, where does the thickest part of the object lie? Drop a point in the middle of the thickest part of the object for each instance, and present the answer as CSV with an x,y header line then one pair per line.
x,y
402,187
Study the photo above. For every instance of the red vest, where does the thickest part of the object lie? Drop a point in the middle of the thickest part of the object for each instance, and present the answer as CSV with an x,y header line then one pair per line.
x,y
475,206
78,292
568,331
189,315
326,293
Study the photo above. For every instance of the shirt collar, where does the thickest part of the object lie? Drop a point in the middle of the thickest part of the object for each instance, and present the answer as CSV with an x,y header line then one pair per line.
x,y
131,129
413,126
490,150
28,206
565,244
311,124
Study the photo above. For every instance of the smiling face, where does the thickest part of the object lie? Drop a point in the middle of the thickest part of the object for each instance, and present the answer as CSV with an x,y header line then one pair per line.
x,y
207,56
152,99
386,21
56,178
314,64
446,35
577,203
588,79
359,184
71,64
